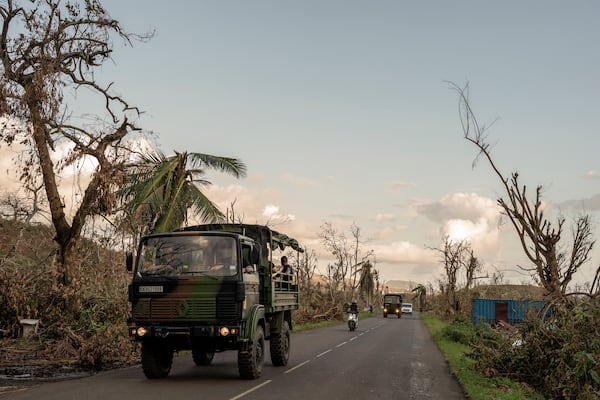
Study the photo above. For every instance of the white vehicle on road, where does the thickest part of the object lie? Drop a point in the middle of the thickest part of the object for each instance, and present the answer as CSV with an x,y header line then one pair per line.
x,y
407,308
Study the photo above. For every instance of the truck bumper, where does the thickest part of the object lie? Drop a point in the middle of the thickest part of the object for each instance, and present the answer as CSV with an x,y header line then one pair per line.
x,y
141,332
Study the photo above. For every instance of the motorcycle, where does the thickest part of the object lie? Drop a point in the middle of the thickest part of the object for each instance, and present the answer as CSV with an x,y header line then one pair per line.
x,y
352,321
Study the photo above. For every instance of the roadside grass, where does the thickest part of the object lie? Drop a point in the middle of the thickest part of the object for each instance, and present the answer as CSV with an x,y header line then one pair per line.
x,y
476,385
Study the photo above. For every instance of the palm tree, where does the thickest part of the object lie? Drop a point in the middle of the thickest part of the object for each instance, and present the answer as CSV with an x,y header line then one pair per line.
x,y
161,190
421,293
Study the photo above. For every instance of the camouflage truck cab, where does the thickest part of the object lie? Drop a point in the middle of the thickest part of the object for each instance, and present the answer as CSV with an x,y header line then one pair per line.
x,y
392,304
211,288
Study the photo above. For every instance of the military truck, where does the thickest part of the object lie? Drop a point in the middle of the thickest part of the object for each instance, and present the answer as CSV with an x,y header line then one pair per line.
x,y
210,288
392,304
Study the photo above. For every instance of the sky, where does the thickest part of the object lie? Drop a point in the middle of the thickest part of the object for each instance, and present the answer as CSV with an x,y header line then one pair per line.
x,y
343,113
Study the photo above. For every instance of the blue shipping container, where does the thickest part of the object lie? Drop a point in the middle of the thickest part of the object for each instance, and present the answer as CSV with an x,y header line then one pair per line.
x,y
492,311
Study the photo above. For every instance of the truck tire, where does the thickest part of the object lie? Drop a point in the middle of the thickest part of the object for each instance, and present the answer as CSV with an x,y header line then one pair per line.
x,y
201,356
280,346
384,315
251,361
156,360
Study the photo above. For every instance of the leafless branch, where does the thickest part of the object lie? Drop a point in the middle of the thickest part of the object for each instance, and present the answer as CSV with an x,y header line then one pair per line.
x,y
540,239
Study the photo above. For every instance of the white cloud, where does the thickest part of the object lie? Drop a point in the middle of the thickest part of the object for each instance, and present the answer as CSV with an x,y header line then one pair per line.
x,y
386,233
403,252
271,212
471,217
461,229
250,205
483,238
468,206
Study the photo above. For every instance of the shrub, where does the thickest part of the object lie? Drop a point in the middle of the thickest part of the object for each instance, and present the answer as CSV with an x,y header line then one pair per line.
x,y
95,335
459,331
559,357
109,346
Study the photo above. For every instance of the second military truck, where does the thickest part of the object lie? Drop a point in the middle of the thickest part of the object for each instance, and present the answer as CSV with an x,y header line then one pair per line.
x,y
211,288
392,304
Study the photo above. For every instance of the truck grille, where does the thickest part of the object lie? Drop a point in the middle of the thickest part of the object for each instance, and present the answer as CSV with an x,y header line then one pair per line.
x,y
160,309
226,308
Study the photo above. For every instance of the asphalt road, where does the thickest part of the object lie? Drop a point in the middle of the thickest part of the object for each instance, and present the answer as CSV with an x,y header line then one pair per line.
x,y
385,358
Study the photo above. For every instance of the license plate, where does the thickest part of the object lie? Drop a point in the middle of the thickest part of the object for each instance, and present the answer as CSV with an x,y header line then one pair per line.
x,y
151,289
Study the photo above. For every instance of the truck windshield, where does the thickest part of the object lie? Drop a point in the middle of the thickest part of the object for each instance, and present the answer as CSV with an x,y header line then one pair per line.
x,y
188,255
391,299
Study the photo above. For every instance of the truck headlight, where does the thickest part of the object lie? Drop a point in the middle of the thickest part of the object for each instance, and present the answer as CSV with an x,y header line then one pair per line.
x,y
141,331
224,331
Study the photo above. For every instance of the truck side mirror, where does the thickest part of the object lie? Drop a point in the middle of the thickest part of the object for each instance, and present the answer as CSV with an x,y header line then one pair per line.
x,y
129,261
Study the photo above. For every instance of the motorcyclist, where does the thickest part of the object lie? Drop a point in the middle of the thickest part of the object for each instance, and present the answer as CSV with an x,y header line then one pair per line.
x,y
353,316
353,307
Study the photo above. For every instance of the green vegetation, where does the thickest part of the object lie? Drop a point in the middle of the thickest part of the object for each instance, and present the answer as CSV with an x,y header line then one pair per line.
x,y
160,190
451,338
556,355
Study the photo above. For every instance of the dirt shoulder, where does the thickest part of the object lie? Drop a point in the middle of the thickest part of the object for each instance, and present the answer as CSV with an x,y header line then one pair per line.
x,y
17,377
26,363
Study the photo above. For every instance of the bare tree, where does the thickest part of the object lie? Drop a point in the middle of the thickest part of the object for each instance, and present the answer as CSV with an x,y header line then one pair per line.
x,y
230,214
497,278
46,48
306,265
472,266
354,267
345,273
360,266
453,258
553,264
337,244
16,207
332,284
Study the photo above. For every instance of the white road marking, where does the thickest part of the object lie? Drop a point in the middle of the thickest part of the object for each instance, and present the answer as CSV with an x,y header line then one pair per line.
x,y
323,353
239,396
297,366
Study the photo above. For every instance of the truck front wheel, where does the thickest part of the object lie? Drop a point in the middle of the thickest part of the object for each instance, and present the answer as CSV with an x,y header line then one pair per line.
x,y
156,360
280,346
251,360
